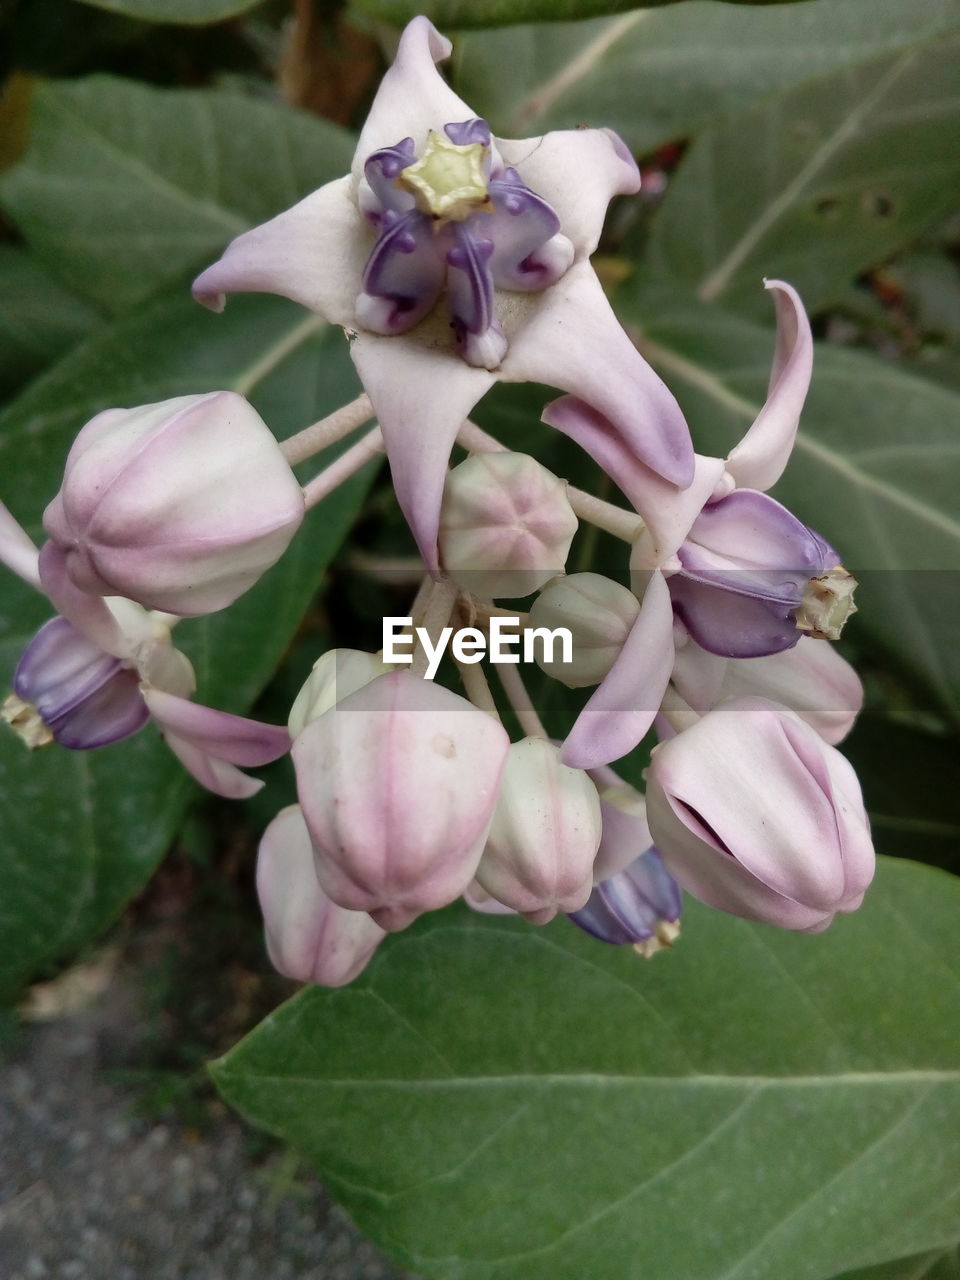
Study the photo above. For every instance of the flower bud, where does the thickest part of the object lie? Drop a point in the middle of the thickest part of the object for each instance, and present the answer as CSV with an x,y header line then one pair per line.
x,y
180,506
626,833
754,813
309,938
335,675
640,905
398,783
505,526
544,835
597,612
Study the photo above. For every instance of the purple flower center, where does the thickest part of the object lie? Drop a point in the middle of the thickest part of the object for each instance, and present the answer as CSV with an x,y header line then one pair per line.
x,y
454,219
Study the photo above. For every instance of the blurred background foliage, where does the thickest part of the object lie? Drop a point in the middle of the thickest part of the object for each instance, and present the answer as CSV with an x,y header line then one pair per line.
x,y
813,141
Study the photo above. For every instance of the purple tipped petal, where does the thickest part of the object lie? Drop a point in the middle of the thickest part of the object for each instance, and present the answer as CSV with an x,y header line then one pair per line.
x,y
470,298
529,253
624,705
83,695
381,172
758,461
469,132
89,614
573,341
577,172
631,905
667,511
17,550
403,275
219,734
413,97
313,253
421,397
731,624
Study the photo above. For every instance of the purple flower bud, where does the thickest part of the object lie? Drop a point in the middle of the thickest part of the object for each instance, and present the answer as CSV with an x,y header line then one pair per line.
x,y
68,690
544,835
180,506
754,813
505,525
639,905
309,938
398,784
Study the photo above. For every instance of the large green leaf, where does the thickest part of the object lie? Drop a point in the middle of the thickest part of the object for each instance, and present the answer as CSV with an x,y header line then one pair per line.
x,y
83,830
657,75
187,12
126,187
818,184
938,1264
874,469
495,1102
492,13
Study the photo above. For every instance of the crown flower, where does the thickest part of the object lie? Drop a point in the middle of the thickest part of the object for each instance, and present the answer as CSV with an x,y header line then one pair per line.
x,y
504,229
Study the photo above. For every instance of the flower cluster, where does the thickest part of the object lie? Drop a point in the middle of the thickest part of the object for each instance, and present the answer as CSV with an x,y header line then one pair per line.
x,y
454,259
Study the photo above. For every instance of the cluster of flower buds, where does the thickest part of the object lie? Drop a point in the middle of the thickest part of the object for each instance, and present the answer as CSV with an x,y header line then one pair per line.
x,y
454,259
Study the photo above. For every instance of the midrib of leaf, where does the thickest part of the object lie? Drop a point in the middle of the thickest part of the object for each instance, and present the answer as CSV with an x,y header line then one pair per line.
x,y
594,1079
78,123
537,103
274,355
713,284
747,409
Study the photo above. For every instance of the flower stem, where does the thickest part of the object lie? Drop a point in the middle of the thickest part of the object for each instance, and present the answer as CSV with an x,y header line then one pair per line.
x,y
513,686
350,461
625,525
313,439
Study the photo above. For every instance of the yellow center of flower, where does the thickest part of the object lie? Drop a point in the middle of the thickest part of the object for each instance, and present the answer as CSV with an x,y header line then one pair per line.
x,y
448,181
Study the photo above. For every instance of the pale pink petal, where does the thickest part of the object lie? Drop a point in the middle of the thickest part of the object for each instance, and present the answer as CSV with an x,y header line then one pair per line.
x,y
313,253
578,172
217,733
667,511
624,705
421,392
89,614
569,338
218,776
758,461
17,550
698,676
413,97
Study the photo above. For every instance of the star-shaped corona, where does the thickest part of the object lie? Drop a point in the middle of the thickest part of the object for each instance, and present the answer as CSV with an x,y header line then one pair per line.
x,y
448,182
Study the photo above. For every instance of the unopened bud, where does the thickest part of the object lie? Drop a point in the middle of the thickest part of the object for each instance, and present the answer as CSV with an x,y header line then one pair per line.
x,y
309,938
597,612
180,505
505,526
335,675
544,835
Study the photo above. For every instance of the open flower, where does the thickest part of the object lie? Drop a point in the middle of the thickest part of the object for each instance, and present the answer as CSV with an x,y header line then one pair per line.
x,y
434,205
99,671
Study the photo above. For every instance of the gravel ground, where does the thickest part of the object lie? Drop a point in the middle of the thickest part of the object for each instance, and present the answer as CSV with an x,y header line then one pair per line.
x,y
92,1190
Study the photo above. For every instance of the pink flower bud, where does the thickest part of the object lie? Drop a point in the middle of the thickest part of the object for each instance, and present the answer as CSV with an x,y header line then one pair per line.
x,y
597,612
398,783
180,506
544,835
309,938
755,814
505,526
335,675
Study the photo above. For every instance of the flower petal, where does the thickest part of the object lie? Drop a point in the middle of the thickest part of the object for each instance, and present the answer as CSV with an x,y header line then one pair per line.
x,y
624,705
218,776
667,511
421,392
313,253
413,97
403,276
217,733
568,337
17,550
730,624
577,172
89,614
758,461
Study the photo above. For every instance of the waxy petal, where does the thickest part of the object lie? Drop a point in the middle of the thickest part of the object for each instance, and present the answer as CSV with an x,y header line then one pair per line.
x,y
215,775
17,550
624,705
529,254
219,734
758,461
403,276
380,173
733,625
631,905
470,298
89,614
313,253
569,338
667,511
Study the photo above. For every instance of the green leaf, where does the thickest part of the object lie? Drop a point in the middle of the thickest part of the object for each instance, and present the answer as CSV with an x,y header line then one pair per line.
x,y
495,1102
127,187
818,184
39,320
938,1264
187,12
84,830
873,470
492,13
658,75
